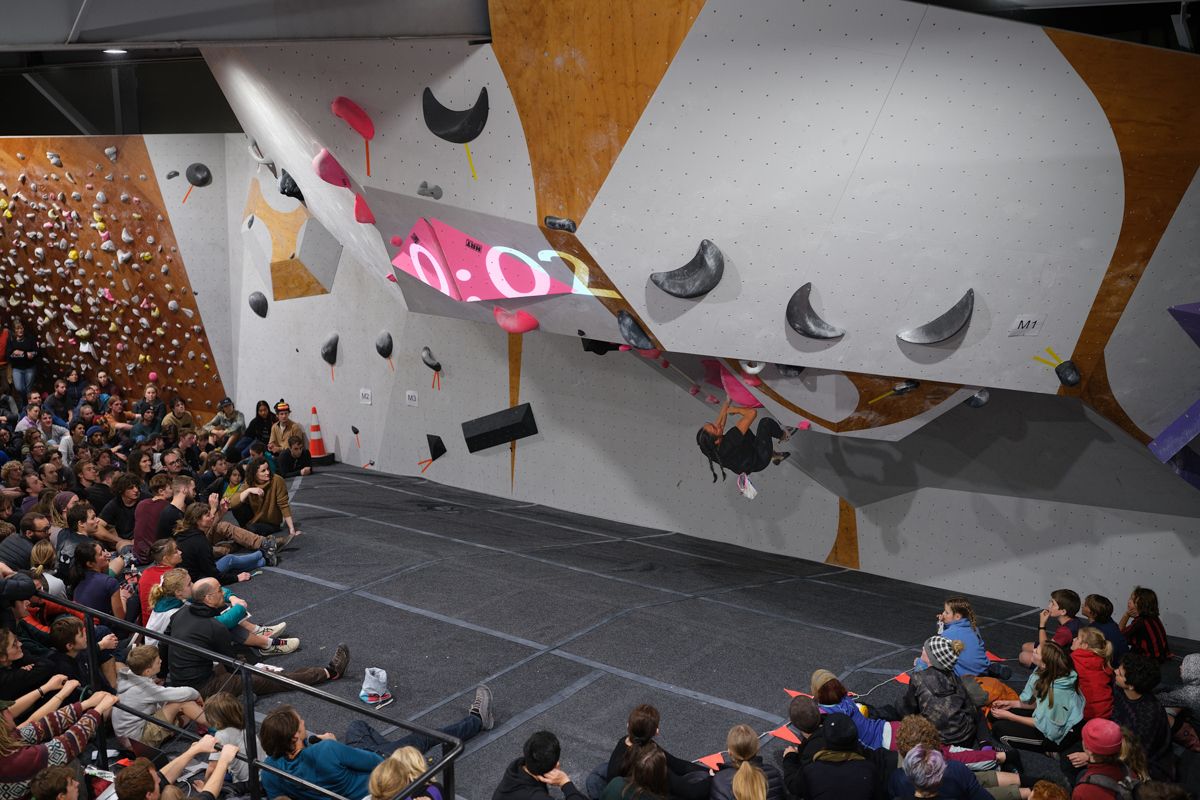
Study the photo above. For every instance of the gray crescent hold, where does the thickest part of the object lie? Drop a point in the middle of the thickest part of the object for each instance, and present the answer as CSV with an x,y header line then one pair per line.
x,y
697,277
945,326
329,349
805,321
632,333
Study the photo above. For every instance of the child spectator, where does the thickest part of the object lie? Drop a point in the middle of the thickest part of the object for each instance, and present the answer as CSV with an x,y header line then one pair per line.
x,y
1092,655
834,698
940,695
1063,606
743,775
399,770
967,771
69,640
55,783
647,778
139,690
1099,609
1112,757
957,622
1135,707
924,769
1050,710
44,561
166,557
295,460
529,777
687,780
227,721
1142,626
1048,790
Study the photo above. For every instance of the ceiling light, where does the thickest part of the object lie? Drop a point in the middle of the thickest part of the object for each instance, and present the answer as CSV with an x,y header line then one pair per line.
x,y
116,51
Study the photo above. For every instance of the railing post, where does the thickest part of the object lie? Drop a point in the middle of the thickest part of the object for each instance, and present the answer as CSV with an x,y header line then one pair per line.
x,y
249,728
448,775
93,646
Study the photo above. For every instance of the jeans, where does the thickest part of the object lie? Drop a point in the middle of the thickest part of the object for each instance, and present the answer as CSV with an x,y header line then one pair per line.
x,y
361,735
22,380
239,562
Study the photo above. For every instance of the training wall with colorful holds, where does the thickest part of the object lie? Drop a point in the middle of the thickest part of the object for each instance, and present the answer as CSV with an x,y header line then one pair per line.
x,y
91,258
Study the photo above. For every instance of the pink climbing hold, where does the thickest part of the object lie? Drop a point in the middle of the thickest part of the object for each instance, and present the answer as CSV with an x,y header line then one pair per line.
x,y
153,376
362,211
716,374
695,390
751,380
515,321
391,276
804,425
711,399
108,295
354,116
624,348
329,170
653,353
397,241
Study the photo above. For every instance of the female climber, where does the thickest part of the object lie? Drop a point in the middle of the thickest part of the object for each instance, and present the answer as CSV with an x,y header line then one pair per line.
x,y
740,449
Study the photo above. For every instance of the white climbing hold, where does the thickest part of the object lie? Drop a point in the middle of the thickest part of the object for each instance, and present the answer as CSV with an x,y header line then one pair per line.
x,y
123,256
108,246
126,236
111,152
54,158
101,197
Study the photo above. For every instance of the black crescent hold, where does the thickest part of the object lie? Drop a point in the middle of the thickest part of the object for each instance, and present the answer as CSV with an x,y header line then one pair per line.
x,y
697,277
632,333
430,361
459,127
807,322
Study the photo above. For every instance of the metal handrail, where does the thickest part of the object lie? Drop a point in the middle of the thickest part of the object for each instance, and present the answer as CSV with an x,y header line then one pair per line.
x,y
452,747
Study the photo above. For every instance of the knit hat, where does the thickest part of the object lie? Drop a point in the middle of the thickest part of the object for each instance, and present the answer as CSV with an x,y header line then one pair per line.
x,y
282,406
941,652
840,732
62,499
820,678
1102,737
94,429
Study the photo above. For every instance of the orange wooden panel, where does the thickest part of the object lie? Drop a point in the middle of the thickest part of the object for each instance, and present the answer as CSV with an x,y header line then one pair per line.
x,y
844,552
150,349
291,279
1149,96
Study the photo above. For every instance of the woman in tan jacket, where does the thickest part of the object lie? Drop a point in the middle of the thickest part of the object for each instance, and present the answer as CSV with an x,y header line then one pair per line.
x,y
267,496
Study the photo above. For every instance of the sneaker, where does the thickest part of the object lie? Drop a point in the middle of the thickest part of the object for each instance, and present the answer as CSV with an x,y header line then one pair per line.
x,y
283,540
377,701
271,631
482,707
270,551
339,662
284,647
779,458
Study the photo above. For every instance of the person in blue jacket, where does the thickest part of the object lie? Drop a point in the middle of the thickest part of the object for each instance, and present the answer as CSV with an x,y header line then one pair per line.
x,y
957,622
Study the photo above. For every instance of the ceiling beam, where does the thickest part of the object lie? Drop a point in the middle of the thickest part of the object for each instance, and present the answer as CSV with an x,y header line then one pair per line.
x,y
62,104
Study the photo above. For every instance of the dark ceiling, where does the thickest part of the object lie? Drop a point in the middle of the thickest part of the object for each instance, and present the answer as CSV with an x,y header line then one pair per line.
x,y
57,80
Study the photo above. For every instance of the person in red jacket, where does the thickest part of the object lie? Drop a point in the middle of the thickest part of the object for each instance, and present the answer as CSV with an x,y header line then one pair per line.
x,y
1092,656
1111,760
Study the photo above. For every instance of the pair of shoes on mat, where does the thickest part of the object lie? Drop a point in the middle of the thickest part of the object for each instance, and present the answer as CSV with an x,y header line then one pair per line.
x,y
271,631
376,701
281,647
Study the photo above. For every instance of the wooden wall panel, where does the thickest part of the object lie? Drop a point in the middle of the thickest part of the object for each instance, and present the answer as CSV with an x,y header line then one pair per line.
x,y
125,308
844,552
1150,98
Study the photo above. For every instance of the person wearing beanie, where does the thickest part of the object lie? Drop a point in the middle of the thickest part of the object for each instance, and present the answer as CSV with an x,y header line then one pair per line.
x,y
834,698
840,770
284,429
940,695
1102,742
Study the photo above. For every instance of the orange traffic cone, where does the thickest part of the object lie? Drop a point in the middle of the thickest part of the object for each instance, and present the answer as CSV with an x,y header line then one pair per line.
x,y
316,443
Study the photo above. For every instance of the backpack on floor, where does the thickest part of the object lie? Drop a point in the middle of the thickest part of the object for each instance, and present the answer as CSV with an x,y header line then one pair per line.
x,y
1124,789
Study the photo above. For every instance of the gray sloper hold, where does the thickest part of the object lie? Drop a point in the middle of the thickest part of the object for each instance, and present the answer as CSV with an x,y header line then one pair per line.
x,y
945,326
258,303
979,399
430,361
329,349
789,371
560,224
173,174
383,344
695,278
198,174
807,322
632,333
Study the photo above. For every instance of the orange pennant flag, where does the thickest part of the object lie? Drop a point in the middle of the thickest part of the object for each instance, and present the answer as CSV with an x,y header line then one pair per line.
x,y
993,657
785,733
903,677
712,762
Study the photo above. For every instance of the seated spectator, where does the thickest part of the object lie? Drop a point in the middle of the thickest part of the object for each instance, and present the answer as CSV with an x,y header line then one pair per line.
x,y
924,770
227,720
1135,707
179,417
50,431
21,674
150,400
328,763
119,514
839,771
70,655
1063,606
91,398
174,590
91,584
267,497
226,427
164,557
16,550
647,778
478,718
686,779
33,415
84,526
295,460
196,624
141,466
32,486
59,508
141,781
968,772
146,427
833,698
1099,610
939,695
1091,654
1142,627
804,715
396,772
139,690
198,557
53,741
223,536
7,528
214,478
743,774
1050,712
1106,750
258,430
118,420
72,444
530,776
189,448
55,783
146,516
283,429
957,622
43,562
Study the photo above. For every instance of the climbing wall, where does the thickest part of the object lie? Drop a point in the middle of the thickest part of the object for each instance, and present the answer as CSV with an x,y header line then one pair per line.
x,y
91,260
